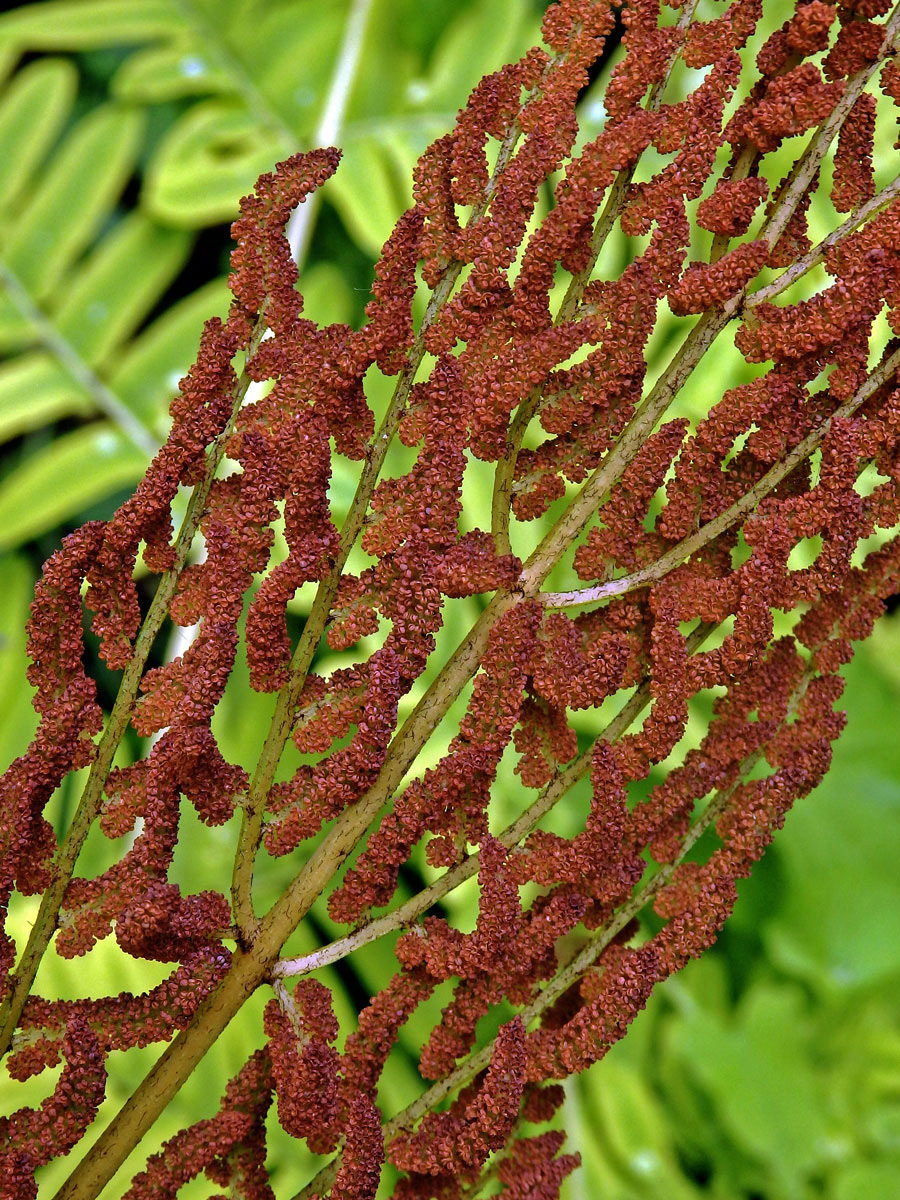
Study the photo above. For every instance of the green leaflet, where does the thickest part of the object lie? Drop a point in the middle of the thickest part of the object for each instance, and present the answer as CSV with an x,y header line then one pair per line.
x,y
169,72
35,389
758,1072
145,373
207,161
632,1126
32,112
17,718
859,1181
480,37
58,315
15,330
836,937
373,185
54,484
252,78
368,193
83,24
76,193
327,297
118,285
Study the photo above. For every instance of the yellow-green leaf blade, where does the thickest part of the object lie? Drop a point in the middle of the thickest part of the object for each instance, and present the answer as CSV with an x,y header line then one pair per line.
x,y
170,72
73,197
17,718
207,162
119,284
146,374
87,24
52,486
33,110
15,329
36,390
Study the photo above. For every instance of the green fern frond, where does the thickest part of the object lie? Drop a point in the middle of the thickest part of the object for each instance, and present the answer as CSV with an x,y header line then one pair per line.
x,y
250,82
252,78
77,281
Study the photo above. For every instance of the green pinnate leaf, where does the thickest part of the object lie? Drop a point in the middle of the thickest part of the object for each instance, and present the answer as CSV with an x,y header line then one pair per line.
x,y
35,390
75,194
75,471
32,112
118,285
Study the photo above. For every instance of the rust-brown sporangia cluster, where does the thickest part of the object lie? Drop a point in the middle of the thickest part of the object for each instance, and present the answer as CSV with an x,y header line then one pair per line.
x,y
672,533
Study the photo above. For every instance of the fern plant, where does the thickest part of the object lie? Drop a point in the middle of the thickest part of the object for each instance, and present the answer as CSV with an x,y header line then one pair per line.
x,y
201,98
652,593
67,327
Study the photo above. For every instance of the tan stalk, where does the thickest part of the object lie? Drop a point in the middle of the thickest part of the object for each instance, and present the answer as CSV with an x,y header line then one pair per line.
x,y
580,962
818,252
673,558
506,466
512,835
89,806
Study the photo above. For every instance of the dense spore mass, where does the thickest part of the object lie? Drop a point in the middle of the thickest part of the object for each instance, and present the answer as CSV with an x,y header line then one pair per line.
x,y
531,357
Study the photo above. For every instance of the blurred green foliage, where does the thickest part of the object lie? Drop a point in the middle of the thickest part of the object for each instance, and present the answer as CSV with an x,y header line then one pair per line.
x,y
129,129
770,1068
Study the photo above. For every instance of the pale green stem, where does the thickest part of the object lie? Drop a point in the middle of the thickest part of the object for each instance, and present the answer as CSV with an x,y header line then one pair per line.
x,y
62,349
580,962
735,512
331,123
527,822
91,799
